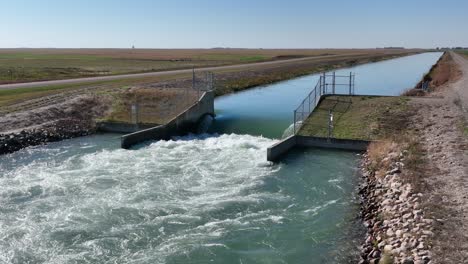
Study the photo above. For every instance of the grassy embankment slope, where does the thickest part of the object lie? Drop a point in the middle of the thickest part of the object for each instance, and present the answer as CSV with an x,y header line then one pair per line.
x,y
374,117
358,117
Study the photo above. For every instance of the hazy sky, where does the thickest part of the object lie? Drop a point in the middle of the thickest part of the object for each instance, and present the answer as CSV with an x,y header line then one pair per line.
x,y
236,23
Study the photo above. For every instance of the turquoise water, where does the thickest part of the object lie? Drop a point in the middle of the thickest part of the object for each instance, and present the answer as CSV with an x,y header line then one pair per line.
x,y
209,198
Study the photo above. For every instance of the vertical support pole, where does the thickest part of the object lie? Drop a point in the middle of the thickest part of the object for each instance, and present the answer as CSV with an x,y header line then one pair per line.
x,y
324,82
330,124
354,79
294,122
303,110
334,79
211,81
193,77
315,97
134,113
350,82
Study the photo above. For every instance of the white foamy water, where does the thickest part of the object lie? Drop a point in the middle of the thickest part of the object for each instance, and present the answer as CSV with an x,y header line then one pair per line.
x,y
131,206
193,200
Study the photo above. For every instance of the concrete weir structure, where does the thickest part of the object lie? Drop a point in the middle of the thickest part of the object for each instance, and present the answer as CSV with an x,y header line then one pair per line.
x,y
185,122
275,152
326,86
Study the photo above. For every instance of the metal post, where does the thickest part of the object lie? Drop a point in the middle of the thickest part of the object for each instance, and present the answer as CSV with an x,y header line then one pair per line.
x,y
354,80
211,81
315,98
134,113
322,90
350,82
193,77
294,122
330,123
333,87
303,103
324,82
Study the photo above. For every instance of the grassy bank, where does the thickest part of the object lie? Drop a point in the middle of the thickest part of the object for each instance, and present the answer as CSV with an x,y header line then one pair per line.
x,y
442,72
154,106
358,117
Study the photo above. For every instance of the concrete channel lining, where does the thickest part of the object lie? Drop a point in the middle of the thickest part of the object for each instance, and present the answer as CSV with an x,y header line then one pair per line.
x,y
280,149
182,124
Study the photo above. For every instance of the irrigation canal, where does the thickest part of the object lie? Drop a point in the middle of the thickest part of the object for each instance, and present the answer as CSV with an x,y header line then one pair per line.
x,y
199,199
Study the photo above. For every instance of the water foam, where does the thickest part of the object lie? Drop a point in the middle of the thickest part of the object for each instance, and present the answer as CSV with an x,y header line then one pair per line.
x,y
132,206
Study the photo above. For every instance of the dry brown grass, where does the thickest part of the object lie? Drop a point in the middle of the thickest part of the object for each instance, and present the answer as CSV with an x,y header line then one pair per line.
x,y
195,54
446,70
399,136
377,152
27,65
442,72
383,153
414,92
155,105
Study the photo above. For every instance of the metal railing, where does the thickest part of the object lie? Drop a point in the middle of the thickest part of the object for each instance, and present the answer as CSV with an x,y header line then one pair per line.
x,y
201,82
327,84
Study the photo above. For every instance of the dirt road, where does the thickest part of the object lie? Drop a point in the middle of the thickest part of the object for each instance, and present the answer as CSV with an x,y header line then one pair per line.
x,y
439,122
172,72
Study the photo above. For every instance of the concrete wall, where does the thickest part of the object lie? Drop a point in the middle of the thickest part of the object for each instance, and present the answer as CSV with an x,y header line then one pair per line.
x,y
275,152
278,150
182,124
346,144
115,127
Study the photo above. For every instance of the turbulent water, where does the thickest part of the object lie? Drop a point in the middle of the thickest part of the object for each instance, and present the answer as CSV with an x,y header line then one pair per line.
x,y
194,200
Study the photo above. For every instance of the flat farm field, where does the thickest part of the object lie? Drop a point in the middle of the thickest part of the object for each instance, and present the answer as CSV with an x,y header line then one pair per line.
x,y
27,65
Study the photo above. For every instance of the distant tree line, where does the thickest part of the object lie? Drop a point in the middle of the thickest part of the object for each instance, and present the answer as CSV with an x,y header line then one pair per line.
x,y
451,48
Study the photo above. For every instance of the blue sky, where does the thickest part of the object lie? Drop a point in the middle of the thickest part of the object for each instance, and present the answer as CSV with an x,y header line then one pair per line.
x,y
238,23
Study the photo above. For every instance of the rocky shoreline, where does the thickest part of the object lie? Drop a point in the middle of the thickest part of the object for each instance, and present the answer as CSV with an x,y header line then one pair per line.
x,y
51,132
397,229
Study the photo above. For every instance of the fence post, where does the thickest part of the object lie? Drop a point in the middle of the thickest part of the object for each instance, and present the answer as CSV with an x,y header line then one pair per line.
x,y
324,82
350,81
294,123
315,96
354,79
334,76
303,110
134,114
211,81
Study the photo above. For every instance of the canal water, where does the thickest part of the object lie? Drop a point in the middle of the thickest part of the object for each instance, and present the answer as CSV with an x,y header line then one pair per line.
x,y
209,198
269,109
